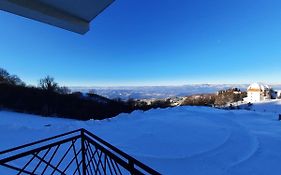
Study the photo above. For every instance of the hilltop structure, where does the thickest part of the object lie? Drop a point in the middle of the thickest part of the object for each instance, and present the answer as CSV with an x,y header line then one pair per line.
x,y
257,92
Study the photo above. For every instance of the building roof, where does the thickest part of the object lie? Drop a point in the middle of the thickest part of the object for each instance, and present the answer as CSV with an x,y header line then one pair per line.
x,y
257,87
72,15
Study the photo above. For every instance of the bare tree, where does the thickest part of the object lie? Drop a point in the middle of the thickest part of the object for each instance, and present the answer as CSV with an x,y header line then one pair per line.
x,y
15,80
48,83
6,78
4,75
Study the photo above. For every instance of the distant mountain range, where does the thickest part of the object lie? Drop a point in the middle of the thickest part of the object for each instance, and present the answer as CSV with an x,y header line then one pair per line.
x,y
148,92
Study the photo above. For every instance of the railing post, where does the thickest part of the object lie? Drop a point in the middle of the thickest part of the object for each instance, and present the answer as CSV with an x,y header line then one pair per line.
x,y
131,166
83,152
113,157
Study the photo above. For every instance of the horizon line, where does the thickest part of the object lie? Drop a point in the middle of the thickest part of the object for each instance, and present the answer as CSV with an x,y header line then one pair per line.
x,y
167,85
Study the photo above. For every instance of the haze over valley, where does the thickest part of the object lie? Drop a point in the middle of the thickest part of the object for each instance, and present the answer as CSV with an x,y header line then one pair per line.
x,y
149,92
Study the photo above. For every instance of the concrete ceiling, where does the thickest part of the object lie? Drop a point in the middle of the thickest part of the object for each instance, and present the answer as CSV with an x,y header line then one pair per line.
x,y
72,15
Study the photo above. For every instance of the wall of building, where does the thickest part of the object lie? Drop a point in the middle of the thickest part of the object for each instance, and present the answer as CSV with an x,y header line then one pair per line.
x,y
254,96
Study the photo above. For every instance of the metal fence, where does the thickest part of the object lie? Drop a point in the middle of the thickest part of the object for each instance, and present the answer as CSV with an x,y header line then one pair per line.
x,y
76,152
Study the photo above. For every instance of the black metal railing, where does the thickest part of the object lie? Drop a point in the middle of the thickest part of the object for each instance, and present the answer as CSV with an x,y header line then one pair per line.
x,y
76,152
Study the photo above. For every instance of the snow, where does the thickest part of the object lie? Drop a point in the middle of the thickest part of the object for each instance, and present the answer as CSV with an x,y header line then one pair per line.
x,y
180,140
269,106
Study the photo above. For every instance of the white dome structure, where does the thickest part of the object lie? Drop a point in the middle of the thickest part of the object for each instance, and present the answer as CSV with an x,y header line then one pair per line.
x,y
257,92
258,87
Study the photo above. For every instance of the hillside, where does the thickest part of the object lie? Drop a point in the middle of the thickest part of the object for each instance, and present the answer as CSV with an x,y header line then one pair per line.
x,y
180,140
48,98
41,102
269,106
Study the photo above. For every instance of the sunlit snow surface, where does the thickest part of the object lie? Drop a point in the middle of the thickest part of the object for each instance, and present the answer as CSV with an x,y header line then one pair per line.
x,y
181,140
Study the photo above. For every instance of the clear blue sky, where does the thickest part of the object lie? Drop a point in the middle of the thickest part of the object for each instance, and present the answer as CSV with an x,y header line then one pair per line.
x,y
152,42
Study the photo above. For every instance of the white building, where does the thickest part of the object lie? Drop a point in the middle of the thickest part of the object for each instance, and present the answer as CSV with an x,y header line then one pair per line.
x,y
257,92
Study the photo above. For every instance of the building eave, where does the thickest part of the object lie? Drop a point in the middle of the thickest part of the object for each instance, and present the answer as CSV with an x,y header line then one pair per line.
x,y
53,14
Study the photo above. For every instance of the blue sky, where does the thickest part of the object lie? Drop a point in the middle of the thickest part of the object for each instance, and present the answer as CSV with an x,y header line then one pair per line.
x,y
151,42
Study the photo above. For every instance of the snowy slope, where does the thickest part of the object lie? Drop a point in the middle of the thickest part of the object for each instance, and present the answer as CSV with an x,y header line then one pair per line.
x,y
181,140
273,106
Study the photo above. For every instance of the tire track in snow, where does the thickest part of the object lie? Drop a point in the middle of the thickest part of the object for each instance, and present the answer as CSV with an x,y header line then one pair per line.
x,y
238,147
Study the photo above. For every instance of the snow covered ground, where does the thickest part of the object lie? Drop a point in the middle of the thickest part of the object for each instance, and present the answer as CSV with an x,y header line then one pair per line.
x,y
181,140
273,106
